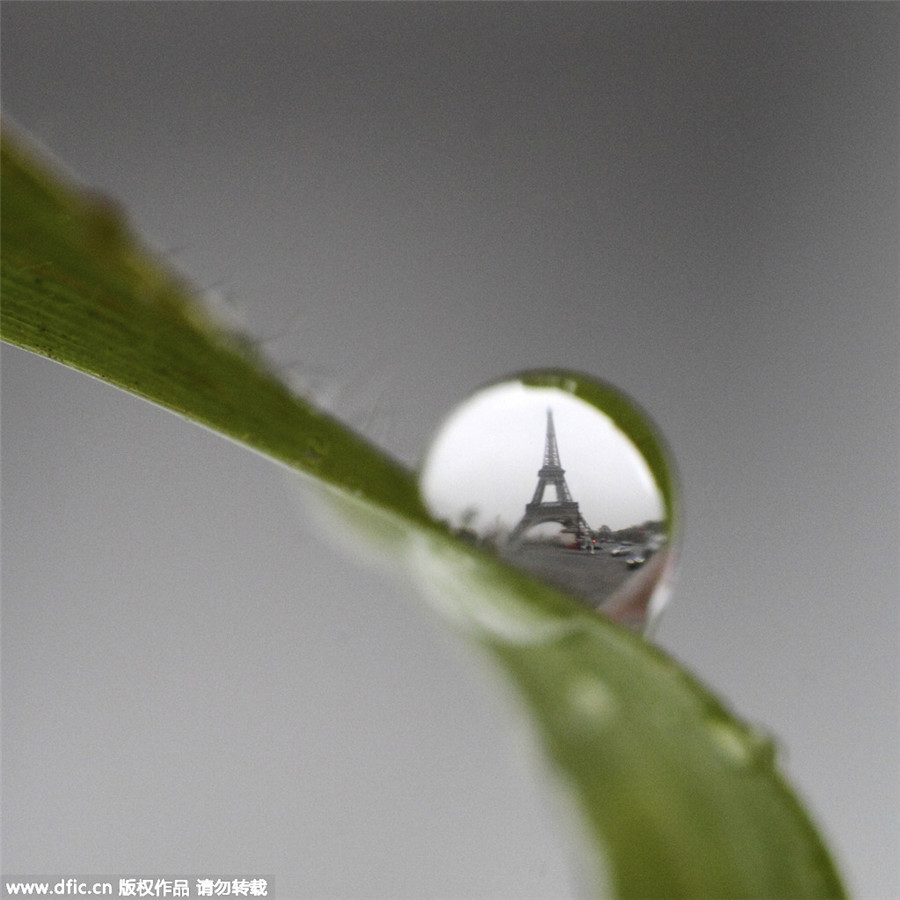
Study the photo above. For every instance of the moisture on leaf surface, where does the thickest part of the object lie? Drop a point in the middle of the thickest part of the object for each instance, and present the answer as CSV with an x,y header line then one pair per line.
x,y
547,470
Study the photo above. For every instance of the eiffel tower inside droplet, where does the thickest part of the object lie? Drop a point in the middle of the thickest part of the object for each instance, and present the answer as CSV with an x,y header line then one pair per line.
x,y
563,509
471,479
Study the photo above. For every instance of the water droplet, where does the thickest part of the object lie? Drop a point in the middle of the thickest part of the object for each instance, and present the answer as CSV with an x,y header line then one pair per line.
x,y
592,703
566,478
742,746
314,451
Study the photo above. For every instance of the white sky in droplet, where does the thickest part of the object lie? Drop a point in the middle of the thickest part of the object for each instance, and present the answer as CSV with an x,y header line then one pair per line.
x,y
488,451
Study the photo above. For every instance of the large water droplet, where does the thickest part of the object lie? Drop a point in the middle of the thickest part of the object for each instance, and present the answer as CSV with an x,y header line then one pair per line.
x,y
566,478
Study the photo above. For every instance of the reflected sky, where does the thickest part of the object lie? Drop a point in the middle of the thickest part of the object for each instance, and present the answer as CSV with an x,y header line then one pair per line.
x,y
488,452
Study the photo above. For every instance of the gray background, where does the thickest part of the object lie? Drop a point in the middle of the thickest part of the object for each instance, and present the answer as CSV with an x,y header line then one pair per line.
x,y
696,202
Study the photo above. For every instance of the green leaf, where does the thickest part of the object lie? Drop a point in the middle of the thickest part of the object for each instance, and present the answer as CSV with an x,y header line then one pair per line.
x,y
677,798
78,289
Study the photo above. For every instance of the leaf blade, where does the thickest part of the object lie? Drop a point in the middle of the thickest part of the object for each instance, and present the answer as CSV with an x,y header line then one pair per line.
x,y
77,289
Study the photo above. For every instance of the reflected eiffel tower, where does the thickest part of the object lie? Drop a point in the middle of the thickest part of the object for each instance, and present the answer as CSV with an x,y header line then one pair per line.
x,y
564,509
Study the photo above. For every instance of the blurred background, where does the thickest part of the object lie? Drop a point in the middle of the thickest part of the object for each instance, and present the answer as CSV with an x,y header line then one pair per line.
x,y
697,202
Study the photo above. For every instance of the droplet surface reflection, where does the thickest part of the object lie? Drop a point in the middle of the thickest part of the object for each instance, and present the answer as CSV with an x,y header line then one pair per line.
x,y
565,478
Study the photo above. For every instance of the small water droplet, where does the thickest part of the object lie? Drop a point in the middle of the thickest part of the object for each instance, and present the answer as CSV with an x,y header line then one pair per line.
x,y
564,477
742,746
592,702
314,451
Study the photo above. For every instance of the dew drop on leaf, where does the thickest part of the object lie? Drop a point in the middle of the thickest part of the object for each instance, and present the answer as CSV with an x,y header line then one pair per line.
x,y
564,477
740,745
314,451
